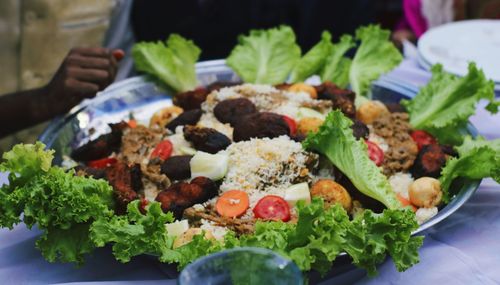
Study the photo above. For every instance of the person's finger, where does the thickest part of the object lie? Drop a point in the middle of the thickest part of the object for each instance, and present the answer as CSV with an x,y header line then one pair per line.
x,y
89,62
81,89
92,51
97,76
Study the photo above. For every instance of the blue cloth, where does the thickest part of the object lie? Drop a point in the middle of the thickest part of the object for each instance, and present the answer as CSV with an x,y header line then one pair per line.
x,y
463,249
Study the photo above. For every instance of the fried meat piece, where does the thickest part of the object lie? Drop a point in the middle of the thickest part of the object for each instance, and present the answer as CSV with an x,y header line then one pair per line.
x,y
177,167
192,99
101,147
430,160
126,182
230,110
342,99
240,226
206,139
190,117
260,125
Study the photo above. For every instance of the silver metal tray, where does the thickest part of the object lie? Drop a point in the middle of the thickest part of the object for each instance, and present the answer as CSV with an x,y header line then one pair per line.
x,y
142,97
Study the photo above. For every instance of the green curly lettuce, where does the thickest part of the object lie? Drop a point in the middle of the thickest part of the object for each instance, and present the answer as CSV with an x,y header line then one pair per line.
x,y
171,62
375,56
265,56
312,62
336,67
59,203
336,141
444,105
476,159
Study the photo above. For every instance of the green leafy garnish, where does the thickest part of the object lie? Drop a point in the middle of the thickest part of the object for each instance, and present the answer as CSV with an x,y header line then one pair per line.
x,y
477,159
335,140
265,56
59,203
375,56
172,62
336,67
444,105
312,62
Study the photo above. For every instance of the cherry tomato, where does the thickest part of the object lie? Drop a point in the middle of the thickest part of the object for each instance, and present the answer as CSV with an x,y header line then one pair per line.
x,y
272,207
163,150
422,138
375,153
292,125
102,163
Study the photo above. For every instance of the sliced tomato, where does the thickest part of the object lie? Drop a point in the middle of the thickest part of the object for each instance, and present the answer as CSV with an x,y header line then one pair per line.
x,y
292,125
163,150
102,163
422,138
406,203
375,153
132,124
272,207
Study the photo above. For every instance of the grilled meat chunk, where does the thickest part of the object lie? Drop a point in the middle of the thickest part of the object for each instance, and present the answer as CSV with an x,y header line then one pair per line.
x,y
206,139
342,99
101,147
260,125
395,107
190,117
240,226
177,167
360,130
182,195
126,181
229,111
190,100
217,85
430,160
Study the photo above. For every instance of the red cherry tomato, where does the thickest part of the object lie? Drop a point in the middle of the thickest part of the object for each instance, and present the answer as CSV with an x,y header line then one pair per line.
x,y
375,153
163,150
102,163
292,125
422,138
272,207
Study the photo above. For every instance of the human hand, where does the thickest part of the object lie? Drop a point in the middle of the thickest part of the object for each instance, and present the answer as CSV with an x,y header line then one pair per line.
x,y
83,73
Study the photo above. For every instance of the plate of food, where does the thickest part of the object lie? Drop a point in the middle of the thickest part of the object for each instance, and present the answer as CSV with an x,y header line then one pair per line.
x,y
300,154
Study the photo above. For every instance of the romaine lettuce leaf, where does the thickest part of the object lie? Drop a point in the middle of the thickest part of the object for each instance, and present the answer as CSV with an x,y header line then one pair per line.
x,y
375,56
265,56
477,159
312,62
172,62
335,140
336,67
444,105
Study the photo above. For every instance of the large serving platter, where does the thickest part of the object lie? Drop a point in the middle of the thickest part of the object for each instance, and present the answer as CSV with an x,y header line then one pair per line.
x,y
142,97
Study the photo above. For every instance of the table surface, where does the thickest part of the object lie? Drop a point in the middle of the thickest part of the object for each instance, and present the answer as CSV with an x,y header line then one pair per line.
x,y
463,249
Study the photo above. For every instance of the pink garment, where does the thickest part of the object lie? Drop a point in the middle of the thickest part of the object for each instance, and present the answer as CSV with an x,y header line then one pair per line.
x,y
413,18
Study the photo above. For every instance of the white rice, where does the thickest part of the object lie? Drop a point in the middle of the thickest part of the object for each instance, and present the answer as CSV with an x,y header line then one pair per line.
x,y
400,183
425,214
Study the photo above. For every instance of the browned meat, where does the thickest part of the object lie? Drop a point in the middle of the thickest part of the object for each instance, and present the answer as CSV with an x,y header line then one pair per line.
x,y
395,129
101,147
190,117
182,195
429,162
239,226
138,142
206,139
342,99
191,99
282,86
360,130
229,111
83,170
177,167
221,84
126,181
395,108
260,125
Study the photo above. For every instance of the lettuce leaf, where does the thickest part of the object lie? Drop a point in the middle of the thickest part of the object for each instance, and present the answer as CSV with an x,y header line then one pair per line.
x,y
336,141
59,203
444,105
312,62
265,56
171,62
336,67
375,56
477,159
136,233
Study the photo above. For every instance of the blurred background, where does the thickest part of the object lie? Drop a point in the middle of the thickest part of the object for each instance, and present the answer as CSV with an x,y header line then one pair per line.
x,y
36,37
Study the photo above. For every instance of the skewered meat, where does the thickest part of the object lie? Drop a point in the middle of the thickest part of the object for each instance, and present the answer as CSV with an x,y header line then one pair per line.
x,y
101,147
177,167
429,162
228,111
190,117
206,139
260,125
342,99
182,195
